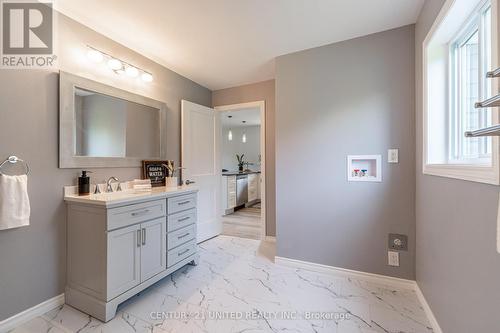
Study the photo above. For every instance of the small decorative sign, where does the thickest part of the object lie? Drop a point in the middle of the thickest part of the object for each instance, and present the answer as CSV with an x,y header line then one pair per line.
x,y
157,171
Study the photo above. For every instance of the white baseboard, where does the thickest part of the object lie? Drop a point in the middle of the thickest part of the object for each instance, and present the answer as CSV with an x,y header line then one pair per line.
x,y
427,309
377,278
28,314
383,279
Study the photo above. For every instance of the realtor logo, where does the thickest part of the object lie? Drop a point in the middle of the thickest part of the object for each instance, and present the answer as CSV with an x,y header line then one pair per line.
x,y
27,33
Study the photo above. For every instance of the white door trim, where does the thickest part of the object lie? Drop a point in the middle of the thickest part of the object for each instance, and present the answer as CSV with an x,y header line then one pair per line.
x,y
262,106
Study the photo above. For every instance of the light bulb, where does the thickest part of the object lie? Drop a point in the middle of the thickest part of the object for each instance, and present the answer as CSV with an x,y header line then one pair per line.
x,y
146,77
132,71
230,135
115,64
95,55
244,138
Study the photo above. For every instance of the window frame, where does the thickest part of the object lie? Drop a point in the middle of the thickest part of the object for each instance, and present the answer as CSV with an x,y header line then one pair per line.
x,y
455,145
466,170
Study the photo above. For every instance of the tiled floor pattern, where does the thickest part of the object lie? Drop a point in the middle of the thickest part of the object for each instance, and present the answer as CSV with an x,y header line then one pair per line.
x,y
237,288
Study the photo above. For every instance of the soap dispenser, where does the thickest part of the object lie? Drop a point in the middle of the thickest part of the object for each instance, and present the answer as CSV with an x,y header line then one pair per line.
x,y
84,183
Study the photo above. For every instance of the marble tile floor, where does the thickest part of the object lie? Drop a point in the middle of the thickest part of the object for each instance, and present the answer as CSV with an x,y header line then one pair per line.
x,y
237,288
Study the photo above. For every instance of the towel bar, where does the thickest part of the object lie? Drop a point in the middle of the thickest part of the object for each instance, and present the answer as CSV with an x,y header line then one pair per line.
x,y
14,159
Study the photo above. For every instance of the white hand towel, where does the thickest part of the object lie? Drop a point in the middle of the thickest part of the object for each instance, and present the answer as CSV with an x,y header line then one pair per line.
x,y
14,202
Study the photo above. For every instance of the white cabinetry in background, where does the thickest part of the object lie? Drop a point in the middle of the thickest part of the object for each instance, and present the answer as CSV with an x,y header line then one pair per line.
x,y
228,193
253,187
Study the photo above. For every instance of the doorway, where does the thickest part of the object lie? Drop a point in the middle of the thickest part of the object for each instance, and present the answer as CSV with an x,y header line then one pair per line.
x,y
242,160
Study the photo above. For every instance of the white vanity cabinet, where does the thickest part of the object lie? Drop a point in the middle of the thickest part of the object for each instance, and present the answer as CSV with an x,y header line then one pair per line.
x,y
135,254
117,248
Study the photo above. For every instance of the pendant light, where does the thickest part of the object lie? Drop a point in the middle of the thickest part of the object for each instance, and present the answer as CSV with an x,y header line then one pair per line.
x,y
244,137
230,133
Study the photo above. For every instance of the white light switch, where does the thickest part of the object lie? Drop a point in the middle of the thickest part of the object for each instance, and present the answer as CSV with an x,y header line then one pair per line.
x,y
393,258
393,155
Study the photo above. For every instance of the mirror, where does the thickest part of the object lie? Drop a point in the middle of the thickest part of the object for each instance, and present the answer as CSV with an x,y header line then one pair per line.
x,y
112,127
102,126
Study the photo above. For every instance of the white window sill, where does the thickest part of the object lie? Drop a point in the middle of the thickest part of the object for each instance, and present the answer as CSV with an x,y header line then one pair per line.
x,y
473,173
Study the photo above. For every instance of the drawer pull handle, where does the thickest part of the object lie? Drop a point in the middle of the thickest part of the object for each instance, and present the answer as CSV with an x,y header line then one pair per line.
x,y
143,236
183,252
142,212
184,202
184,219
182,236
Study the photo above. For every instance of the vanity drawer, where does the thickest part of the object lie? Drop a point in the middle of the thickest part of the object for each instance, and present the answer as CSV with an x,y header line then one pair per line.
x,y
181,236
131,214
180,253
181,220
180,203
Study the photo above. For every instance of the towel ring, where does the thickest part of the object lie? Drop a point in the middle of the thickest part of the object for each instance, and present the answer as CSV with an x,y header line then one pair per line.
x,y
13,160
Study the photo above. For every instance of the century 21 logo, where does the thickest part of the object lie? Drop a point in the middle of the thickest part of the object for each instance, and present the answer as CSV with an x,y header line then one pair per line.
x,y
27,27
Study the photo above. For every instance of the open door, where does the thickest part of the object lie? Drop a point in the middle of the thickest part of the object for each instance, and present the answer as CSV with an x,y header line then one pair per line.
x,y
200,142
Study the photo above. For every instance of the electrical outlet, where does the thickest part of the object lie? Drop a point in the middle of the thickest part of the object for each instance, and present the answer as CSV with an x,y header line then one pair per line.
x,y
398,242
393,156
393,257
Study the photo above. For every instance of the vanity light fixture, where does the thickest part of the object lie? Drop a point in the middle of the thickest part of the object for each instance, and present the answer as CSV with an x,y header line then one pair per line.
x,y
115,64
132,71
146,77
95,55
118,66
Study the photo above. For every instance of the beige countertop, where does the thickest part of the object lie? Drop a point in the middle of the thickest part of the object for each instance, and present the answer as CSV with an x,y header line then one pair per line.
x,y
129,196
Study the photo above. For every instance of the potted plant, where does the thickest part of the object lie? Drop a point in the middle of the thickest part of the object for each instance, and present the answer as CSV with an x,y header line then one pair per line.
x,y
240,162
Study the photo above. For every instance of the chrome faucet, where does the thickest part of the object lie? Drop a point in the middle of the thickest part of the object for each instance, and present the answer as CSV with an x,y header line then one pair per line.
x,y
109,188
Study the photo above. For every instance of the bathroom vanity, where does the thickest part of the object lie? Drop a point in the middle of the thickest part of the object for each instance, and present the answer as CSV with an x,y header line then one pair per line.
x,y
120,243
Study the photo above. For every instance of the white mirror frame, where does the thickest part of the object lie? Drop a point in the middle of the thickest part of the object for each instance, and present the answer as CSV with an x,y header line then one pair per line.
x,y
67,124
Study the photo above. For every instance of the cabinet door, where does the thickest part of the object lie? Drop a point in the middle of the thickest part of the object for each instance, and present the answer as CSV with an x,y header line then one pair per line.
x,y
252,187
231,191
124,250
153,248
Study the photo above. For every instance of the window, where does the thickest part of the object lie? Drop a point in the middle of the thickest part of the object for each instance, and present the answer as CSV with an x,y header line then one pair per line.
x,y
470,58
457,54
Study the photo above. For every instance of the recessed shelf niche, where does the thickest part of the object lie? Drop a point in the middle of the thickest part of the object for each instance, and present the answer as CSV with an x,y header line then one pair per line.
x,y
364,168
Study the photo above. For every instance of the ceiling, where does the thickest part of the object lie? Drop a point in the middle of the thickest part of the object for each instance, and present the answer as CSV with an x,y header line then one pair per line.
x,y
251,116
226,43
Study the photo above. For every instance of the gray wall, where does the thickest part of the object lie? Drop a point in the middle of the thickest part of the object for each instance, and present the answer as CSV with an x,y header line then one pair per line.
x,y
352,97
32,259
458,268
261,91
